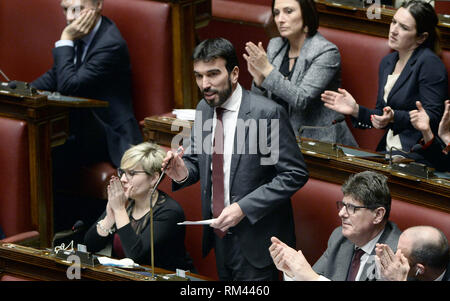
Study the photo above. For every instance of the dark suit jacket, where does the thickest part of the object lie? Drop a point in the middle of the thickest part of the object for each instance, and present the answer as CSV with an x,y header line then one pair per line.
x,y
105,74
262,191
423,78
335,261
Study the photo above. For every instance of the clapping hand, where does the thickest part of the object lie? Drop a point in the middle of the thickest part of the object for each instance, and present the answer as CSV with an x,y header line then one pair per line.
x,y
444,125
116,194
380,122
257,63
341,102
293,263
393,267
421,121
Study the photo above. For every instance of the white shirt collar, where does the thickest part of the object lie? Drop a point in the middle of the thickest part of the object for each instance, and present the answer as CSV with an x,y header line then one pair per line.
x,y
234,102
368,247
441,276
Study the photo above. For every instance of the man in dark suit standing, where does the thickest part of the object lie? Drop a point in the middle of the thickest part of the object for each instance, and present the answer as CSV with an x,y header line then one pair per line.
x,y
91,60
244,152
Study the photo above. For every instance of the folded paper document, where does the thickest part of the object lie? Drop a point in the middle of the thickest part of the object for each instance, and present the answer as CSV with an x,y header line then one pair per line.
x,y
203,222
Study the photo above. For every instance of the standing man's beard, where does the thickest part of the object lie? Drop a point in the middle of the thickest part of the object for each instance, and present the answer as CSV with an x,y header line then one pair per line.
x,y
223,95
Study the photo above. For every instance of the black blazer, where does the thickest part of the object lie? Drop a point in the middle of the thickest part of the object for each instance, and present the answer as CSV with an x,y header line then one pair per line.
x,y
262,191
105,74
423,78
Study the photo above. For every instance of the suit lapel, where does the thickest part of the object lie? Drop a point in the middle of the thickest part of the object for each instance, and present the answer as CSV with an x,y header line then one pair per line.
x,y
207,115
404,75
239,144
343,264
300,64
103,26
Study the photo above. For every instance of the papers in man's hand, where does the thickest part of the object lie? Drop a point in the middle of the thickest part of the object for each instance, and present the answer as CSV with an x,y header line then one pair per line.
x,y
184,114
123,263
203,222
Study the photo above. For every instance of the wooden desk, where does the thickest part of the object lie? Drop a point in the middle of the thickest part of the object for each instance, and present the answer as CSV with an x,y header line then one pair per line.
x,y
43,265
48,126
426,192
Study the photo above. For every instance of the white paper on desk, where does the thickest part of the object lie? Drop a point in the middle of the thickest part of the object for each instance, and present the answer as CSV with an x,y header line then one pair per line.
x,y
203,222
125,262
184,114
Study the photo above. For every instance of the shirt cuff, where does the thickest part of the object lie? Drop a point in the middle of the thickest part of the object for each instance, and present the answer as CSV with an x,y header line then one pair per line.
x,y
322,278
61,43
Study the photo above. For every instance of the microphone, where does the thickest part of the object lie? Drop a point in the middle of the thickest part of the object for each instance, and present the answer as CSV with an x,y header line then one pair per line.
x,y
4,75
151,213
412,168
78,225
339,119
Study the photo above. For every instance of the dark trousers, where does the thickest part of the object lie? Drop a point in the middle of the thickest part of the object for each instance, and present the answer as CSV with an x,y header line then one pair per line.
x,y
232,265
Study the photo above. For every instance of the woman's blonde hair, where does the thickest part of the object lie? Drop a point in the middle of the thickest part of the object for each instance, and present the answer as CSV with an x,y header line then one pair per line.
x,y
149,155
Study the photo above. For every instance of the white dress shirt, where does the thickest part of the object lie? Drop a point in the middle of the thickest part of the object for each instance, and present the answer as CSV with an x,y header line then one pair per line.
x,y
229,121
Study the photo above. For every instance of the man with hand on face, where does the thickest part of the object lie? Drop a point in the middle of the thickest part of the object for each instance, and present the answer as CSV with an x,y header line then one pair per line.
x,y
91,60
364,212
246,183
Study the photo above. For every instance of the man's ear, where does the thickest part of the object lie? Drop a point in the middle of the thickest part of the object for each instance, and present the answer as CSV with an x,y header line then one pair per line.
x,y
99,7
379,215
235,75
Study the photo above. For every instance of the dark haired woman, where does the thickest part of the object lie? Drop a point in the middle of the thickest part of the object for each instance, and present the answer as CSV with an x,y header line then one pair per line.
x,y
298,67
413,72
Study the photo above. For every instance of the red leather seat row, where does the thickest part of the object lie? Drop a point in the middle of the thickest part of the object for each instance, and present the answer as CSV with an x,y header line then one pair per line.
x,y
15,215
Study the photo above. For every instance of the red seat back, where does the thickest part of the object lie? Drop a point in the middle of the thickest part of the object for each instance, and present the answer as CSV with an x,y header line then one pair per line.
x,y
360,59
15,212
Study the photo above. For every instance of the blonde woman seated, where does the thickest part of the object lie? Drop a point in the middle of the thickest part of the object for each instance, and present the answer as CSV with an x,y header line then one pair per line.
x,y
124,227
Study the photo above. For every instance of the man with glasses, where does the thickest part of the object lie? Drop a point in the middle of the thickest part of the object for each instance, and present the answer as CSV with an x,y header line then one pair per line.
x,y
364,212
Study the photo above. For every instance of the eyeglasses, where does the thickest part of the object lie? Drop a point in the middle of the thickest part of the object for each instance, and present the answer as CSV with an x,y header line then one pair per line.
x,y
350,208
129,173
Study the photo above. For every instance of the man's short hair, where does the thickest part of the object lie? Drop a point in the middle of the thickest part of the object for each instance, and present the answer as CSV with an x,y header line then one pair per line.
x,y
369,188
211,49
431,253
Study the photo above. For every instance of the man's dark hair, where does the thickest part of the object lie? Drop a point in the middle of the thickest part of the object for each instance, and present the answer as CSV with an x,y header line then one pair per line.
x,y
434,254
369,188
211,49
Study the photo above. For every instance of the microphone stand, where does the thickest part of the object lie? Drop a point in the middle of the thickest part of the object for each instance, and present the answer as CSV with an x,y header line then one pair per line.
x,y
321,147
409,167
152,259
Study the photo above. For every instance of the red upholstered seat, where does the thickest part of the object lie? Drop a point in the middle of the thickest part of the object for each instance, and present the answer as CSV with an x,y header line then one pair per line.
x,y
15,213
360,58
